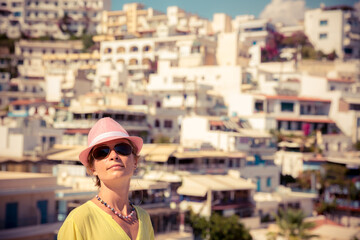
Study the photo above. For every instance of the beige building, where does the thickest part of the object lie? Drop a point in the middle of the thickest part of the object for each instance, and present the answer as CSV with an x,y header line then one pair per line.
x,y
57,19
28,206
136,20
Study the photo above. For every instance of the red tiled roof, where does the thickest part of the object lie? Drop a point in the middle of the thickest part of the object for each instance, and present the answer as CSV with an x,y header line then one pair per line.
x,y
320,222
296,98
27,102
311,120
77,130
216,123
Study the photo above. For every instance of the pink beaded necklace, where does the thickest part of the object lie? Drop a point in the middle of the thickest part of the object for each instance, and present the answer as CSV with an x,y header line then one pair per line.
x,y
114,211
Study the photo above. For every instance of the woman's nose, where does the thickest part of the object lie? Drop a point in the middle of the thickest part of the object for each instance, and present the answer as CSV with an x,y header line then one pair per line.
x,y
113,154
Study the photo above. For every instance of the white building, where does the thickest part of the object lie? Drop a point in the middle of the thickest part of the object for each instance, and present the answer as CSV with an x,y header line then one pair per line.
x,y
224,194
57,19
27,137
334,29
225,134
89,108
267,204
32,68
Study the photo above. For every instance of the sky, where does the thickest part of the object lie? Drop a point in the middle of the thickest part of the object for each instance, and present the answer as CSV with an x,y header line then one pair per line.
x,y
275,9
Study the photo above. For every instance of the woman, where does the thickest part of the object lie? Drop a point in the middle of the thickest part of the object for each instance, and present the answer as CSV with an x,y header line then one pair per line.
x,y
112,157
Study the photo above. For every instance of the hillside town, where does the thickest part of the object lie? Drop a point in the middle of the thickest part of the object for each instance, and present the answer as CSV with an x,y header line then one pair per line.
x,y
242,118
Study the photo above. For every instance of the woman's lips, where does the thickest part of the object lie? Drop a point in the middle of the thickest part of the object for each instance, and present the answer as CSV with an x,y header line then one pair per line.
x,y
116,166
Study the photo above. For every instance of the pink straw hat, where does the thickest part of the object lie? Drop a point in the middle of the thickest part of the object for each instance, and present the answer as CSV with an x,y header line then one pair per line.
x,y
105,130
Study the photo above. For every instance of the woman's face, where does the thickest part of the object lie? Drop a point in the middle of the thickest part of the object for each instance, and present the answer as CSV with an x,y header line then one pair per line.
x,y
115,166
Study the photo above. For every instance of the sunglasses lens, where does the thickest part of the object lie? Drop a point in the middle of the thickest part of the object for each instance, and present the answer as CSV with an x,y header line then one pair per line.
x,y
123,149
101,152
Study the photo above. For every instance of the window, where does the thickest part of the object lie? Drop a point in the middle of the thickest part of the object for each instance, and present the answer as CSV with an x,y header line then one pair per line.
x,y
355,107
258,184
146,49
129,101
158,104
259,106
268,182
134,49
11,212
42,205
17,14
287,107
167,124
348,50
157,123
323,22
323,36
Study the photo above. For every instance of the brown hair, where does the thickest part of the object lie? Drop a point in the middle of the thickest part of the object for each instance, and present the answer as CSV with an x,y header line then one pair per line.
x,y
91,160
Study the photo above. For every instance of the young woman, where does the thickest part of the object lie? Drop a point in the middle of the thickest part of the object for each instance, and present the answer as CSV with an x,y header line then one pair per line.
x,y
112,157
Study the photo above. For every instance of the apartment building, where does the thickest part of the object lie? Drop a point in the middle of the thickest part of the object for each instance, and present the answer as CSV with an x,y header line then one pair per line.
x,y
168,162
252,31
283,198
230,135
137,20
69,75
57,19
224,194
83,114
224,81
344,95
31,81
334,28
24,136
286,113
28,206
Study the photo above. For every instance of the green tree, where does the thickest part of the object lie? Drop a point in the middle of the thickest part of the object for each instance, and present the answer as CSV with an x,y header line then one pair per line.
x,y
199,225
227,228
292,226
218,227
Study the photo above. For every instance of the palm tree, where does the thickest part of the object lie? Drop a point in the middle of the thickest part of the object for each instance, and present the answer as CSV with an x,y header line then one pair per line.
x,y
292,226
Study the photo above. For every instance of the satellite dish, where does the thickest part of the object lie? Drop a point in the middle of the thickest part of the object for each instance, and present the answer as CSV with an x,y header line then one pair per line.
x,y
31,111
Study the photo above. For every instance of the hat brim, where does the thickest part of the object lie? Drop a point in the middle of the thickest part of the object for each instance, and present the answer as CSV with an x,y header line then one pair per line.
x,y
137,141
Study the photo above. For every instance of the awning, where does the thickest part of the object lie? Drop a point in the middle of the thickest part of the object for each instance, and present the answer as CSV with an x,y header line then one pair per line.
x,y
144,184
159,152
208,154
199,185
66,153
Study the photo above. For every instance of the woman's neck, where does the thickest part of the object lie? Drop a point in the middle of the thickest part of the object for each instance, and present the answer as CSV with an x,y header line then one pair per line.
x,y
117,197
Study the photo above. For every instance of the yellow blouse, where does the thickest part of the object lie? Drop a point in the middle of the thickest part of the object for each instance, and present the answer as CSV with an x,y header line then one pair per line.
x,y
90,222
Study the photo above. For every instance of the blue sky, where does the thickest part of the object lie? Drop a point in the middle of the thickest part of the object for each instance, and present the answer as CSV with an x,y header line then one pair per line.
x,y
206,8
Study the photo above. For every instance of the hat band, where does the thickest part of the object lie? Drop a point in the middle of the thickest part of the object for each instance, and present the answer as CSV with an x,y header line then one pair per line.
x,y
106,135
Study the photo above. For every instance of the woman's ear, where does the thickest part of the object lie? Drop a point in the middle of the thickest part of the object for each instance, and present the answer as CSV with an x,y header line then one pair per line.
x,y
92,171
136,159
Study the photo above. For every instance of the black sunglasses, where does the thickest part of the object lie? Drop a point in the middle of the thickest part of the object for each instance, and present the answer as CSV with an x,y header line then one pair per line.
x,y
102,152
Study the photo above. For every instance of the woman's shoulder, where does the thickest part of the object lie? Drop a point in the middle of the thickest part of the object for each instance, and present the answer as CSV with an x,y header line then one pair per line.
x,y
82,212
142,212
